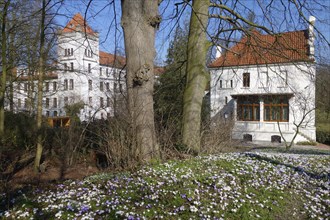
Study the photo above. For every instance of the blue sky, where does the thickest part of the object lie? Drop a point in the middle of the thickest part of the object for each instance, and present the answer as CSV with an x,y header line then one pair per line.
x,y
105,19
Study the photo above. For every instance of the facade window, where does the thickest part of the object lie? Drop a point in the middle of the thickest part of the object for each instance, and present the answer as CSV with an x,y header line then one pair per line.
x,y
108,74
231,83
47,103
68,52
108,102
100,71
120,87
65,67
246,79
101,86
90,101
220,82
19,103
89,68
248,109
226,100
26,88
71,84
66,100
115,87
54,86
107,86
47,86
54,102
25,103
101,102
65,84
47,113
276,109
90,85
55,113
88,53
71,67
31,86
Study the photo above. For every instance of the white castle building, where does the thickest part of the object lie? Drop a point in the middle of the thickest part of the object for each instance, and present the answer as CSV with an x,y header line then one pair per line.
x,y
84,74
266,85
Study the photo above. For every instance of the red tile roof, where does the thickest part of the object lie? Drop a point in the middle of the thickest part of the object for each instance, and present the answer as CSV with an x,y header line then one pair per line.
x,y
257,49
158,70
109,59
78,24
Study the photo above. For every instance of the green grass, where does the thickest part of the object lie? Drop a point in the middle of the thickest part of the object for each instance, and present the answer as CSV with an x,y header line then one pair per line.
x,y
309,143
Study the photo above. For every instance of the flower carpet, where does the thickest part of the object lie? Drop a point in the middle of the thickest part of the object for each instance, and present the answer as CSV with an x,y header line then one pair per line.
x,y
226,186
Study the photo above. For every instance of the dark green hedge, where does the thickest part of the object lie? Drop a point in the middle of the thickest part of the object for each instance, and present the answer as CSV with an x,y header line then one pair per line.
x,y
323,137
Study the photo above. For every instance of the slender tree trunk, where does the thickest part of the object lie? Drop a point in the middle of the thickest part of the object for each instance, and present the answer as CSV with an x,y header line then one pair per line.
x,y
197,75
4,67
140,20
11,67
40,89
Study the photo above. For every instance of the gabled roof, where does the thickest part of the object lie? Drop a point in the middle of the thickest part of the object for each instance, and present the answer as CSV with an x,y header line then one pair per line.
x,y
109,59
78,24
258,48
158,70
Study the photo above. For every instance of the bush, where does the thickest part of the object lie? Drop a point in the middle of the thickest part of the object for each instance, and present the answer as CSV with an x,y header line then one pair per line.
x,y
20,132
311,143
216,137
110,143
323,136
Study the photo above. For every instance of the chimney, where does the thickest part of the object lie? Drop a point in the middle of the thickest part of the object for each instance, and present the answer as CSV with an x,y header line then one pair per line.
x,y
218,51
311,36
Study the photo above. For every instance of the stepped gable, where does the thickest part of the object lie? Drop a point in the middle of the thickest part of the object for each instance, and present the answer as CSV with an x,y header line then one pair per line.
x,y
257,48
78,24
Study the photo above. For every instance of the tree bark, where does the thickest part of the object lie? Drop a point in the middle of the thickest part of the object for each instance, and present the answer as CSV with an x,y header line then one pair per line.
x,y
4,67
140,19
11,66
197,75
40,88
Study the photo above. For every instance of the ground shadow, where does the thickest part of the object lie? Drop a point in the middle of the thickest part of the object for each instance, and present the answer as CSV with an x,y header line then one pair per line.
x,y
323,175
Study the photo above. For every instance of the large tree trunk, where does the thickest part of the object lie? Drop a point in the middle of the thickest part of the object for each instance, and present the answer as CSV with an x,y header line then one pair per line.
x,y
40,89
140,20
4,67
197,75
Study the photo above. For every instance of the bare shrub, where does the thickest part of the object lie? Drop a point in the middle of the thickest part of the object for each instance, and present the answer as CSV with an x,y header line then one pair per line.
x,y
111,143
168,136
67,142
216,136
